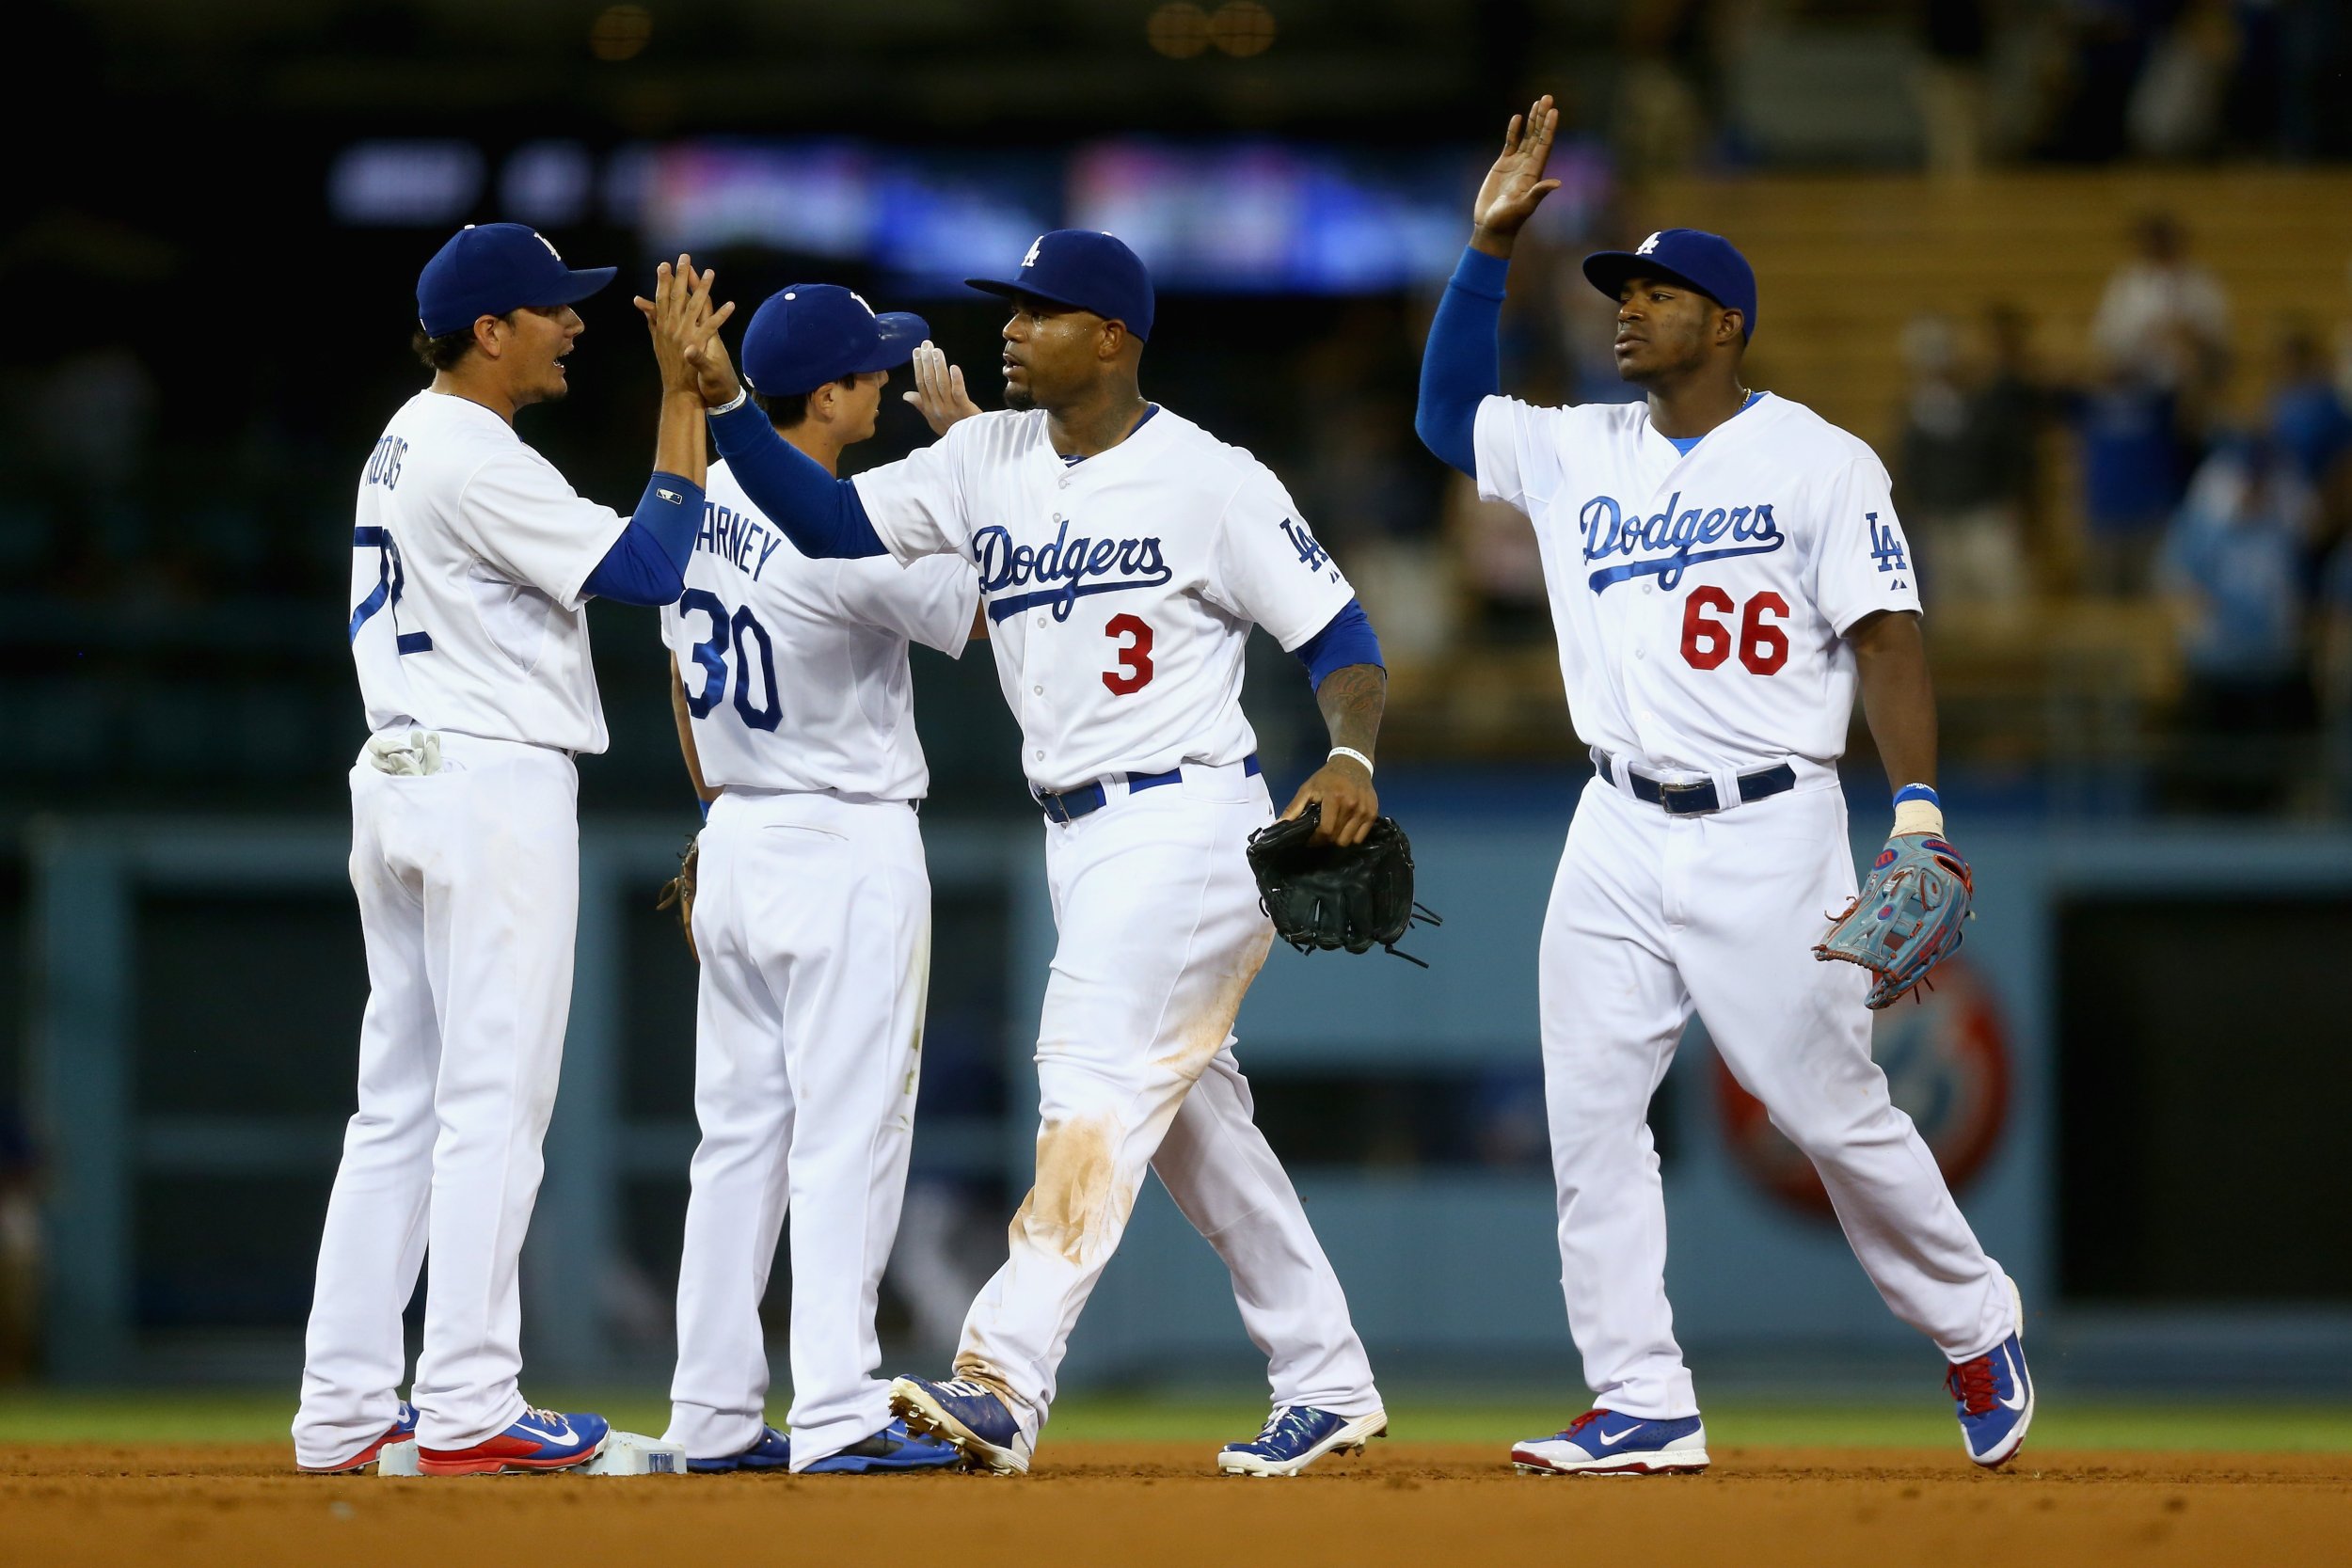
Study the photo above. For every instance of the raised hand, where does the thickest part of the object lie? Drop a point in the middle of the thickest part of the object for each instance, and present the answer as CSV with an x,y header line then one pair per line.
x,y
1515,186
683,324
939,395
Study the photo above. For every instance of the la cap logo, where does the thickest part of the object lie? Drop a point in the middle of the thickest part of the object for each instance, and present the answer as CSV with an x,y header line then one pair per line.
x,y
1646,245
550,243
861,299
1031,259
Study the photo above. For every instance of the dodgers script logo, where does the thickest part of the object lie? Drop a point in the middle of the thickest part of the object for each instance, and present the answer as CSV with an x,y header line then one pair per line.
x,y
1076,567
1671,541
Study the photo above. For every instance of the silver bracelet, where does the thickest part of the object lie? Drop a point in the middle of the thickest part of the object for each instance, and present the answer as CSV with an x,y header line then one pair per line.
x,y
1351,751
742,396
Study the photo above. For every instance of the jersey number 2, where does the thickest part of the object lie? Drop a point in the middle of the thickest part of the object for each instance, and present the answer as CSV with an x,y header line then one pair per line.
x,y
1706,642
1134,660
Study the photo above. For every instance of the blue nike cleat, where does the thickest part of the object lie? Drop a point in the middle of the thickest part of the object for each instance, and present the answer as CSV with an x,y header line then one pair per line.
x,y
891,1449
537,1440
1604,1443
971,1418
1994,1395
1296,1436
404,1427
773,1452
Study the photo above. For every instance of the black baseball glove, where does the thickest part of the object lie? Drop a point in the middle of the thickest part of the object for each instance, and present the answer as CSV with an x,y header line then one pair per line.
x,y
1329,895
678,893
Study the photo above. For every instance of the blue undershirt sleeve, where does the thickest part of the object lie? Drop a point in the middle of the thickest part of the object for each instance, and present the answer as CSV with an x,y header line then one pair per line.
x,y
1346,639
1462,365
820,514
646,565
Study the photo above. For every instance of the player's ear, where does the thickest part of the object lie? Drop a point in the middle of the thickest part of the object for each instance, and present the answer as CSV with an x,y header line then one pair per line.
x,y
1731,327
489,335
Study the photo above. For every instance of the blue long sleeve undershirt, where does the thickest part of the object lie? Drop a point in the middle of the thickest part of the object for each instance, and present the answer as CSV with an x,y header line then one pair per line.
x,y
1346,639
1462,365
646,565
820,514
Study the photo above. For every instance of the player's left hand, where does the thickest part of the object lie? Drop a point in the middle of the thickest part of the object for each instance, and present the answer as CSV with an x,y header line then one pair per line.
x,y
939,395
1343,790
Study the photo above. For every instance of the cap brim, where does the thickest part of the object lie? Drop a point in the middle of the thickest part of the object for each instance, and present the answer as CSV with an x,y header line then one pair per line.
x,y
1607,270
579,283
1003,290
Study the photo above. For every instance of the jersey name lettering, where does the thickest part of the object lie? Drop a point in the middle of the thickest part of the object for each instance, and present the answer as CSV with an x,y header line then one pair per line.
x,y
1675,534
736,538
384,462
1067,561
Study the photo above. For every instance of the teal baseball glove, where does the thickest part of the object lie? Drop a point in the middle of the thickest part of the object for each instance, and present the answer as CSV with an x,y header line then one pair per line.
x,y
1907,918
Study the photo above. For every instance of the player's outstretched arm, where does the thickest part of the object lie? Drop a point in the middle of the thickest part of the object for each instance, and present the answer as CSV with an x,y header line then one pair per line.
x,y
939,395
1462,365
685,722
820,514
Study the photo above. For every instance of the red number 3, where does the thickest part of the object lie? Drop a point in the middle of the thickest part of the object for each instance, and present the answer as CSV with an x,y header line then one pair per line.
x,y
1706,643
1134,660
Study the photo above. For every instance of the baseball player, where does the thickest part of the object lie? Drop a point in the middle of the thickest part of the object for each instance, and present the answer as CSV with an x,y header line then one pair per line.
x,y
1124,554
1725,569
472,561
812,918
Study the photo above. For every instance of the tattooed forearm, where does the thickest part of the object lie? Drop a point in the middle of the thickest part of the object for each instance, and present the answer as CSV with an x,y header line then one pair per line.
x,y
1352,700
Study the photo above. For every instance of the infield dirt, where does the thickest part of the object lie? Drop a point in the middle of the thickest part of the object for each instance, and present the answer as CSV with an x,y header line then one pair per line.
x,y
1133,1505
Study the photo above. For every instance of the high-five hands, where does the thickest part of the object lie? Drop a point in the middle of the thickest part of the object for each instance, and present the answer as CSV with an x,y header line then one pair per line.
x,y
1515,186
939,395
682,321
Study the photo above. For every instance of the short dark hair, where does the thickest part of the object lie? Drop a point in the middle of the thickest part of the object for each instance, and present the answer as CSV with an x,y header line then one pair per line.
x,y
442,353
788,410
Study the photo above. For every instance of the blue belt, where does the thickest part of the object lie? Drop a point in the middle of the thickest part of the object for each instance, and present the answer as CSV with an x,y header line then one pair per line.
x,y
1071,804
1692,800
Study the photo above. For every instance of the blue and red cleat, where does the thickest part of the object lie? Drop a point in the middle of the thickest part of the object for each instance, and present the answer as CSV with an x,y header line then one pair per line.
x,y
1605,1443
1295,1436
1994,1396
538,1440
773,1452
404,1427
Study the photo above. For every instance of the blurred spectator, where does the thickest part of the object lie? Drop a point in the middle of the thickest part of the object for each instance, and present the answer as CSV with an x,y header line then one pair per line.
x,y
2176,104
2308,419
2132,458
2331,669
2015,406
1956,37
1670,87
2164,317
1952,495
1502,568
20,1250
2233,571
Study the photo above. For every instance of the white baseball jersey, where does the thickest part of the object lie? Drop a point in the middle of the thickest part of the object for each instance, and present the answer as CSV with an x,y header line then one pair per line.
x,y
1700,600
796,670
469,554
1121,590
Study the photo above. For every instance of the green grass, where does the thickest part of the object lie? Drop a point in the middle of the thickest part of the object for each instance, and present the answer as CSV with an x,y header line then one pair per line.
x,y
51,1415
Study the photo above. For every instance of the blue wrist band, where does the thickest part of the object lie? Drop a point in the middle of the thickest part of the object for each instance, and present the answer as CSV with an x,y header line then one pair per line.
x,y
1918,792
705,807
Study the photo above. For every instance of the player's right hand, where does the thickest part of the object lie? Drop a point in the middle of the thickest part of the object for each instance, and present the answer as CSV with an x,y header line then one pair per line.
x,y
682,321
1516,186
939,395
714,372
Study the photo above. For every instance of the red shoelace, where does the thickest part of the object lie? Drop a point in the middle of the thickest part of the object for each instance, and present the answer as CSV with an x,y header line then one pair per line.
x,y
1971,1383
1582,1421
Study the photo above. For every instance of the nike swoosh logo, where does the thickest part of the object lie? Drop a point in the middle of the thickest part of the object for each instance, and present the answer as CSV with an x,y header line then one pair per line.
x,y
2019,1383
566,1435
1609,1442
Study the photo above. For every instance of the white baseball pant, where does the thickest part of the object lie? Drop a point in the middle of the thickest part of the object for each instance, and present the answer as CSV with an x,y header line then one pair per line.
x,y
1654,915
1160,937
468,887
813,920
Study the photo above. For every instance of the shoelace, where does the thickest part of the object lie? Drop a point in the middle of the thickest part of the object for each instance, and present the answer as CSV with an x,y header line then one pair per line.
x,y
1971,1383
1273,1427
1582,1421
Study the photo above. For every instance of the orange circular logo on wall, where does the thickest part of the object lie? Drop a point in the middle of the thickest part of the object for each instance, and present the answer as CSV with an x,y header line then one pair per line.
x,y
1947,1066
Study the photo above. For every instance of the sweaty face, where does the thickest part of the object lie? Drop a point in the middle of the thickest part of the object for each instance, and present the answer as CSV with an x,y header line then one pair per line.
x,y
1666,326
1049,354
533,351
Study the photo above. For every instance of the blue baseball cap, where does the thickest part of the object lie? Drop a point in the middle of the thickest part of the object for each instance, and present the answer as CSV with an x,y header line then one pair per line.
x,y
1707,262
813,333
488,269
1086,270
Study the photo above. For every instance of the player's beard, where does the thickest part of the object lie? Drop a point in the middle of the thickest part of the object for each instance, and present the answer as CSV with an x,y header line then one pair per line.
x,y
1019,397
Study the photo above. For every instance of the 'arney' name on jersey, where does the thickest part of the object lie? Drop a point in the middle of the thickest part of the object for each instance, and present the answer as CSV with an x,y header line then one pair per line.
x,y
1067,561
739,538
1673,538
